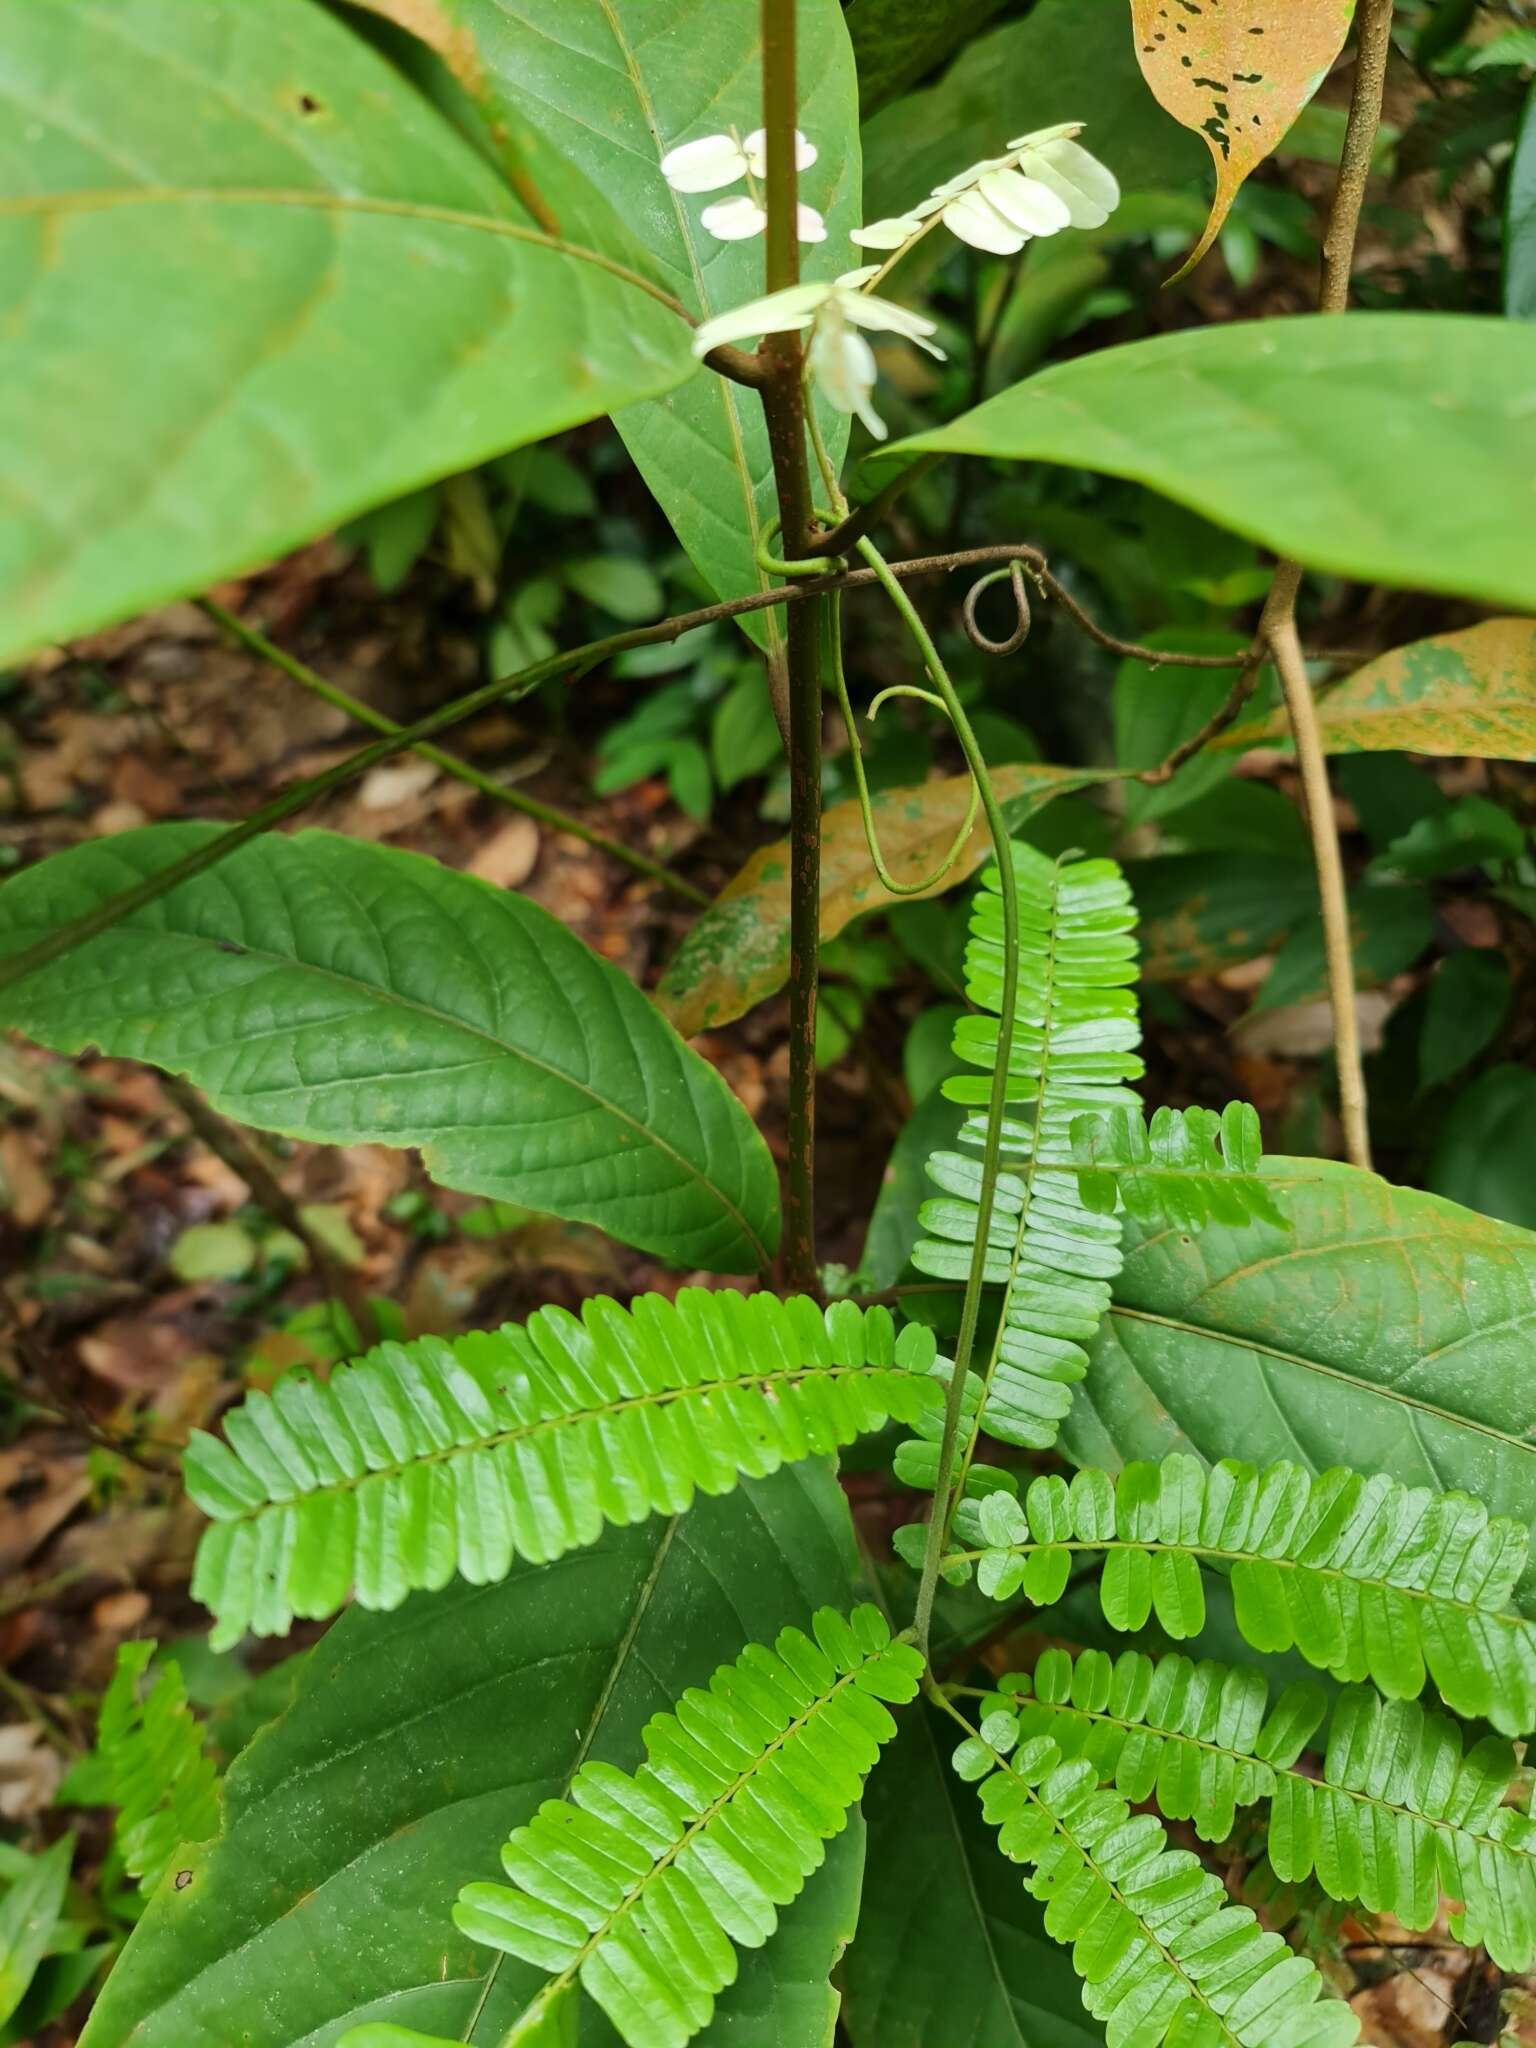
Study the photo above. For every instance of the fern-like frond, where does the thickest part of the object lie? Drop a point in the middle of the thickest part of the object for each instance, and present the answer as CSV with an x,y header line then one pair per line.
x,y
165,1788
1367,1578
1164,1957
1188,1167
1073,1052
636,1886
1401,1814
426,1459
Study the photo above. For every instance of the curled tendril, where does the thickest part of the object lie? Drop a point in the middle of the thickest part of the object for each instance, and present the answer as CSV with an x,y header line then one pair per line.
x,y
809,565
1012,573
833,644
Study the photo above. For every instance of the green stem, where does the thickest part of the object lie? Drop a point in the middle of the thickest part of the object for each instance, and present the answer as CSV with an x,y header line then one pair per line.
x,y
783,396
938,1523
331,693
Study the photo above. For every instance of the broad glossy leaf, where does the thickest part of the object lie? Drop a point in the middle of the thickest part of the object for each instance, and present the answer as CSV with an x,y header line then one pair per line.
x,y
354,994
1157,708
418,1740
1390,447
257,283
895,43
610,86
1472,692
1390,924
951,1952
1203,912
738,952
1486,1145
1468,1002
1064,62
1237,72
1385,1326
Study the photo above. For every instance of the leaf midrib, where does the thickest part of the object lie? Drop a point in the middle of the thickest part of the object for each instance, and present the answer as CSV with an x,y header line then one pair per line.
x,y
501,1047
1333,1372
763,1383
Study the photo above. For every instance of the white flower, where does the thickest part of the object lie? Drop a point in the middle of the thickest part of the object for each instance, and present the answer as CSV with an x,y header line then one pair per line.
x,y
1045,182
842,361
715,161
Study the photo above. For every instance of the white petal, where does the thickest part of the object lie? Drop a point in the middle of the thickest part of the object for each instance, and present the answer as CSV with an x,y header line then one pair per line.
x,y
1088,188
778,313
756,147
843,365
885,317
705,165
1042,136
852,279
886,234
972,175
1025,204
809,225
974,221
733,220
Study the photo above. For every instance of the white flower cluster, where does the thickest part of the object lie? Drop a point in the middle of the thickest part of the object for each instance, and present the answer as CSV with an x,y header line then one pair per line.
x,y
1045,182
715,161
841,360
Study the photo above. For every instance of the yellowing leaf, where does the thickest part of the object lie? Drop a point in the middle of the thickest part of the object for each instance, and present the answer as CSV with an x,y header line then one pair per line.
x,y
1472,692
738,952
1238,72
434,23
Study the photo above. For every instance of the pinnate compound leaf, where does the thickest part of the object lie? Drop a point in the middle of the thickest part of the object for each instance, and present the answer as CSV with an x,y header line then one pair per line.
x,y
1163,1955
254,375
637,1886
1472,692
738,951
1390,447
1188,1167
166,1789
425,1737
457,1456
1237,72
1399,1816
1365,1577
1383,1320
354,994
1073,1052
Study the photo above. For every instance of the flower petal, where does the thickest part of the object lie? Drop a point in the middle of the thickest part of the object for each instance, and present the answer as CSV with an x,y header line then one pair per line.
x,y
886,234
843,364
974,221
886,317
852,279
779,313
1086,187
705,165
1025,203
809,225
733,220
1041,136
756,147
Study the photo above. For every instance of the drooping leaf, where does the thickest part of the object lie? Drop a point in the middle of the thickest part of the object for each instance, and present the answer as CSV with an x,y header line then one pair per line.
x,y
609,86
1383,1321
1468,1002
1389,447
951,1952
1143,1918
209,357
1061,63
351,993
738,951
423,1738
1483,1155
1367,1578
1472,692
1237,72
438,1457
638,1885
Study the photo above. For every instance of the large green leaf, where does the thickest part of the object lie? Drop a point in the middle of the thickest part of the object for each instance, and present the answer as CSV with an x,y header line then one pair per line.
x,y
1483,1154
951,1952
612,85
895,43
418,1740
1520,222
1066,62
1387,1328
1202,912
1392,447
256,282
350,993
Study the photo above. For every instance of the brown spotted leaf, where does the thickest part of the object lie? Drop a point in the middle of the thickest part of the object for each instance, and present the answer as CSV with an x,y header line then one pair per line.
x,y
738,952
1238,72
1468,693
